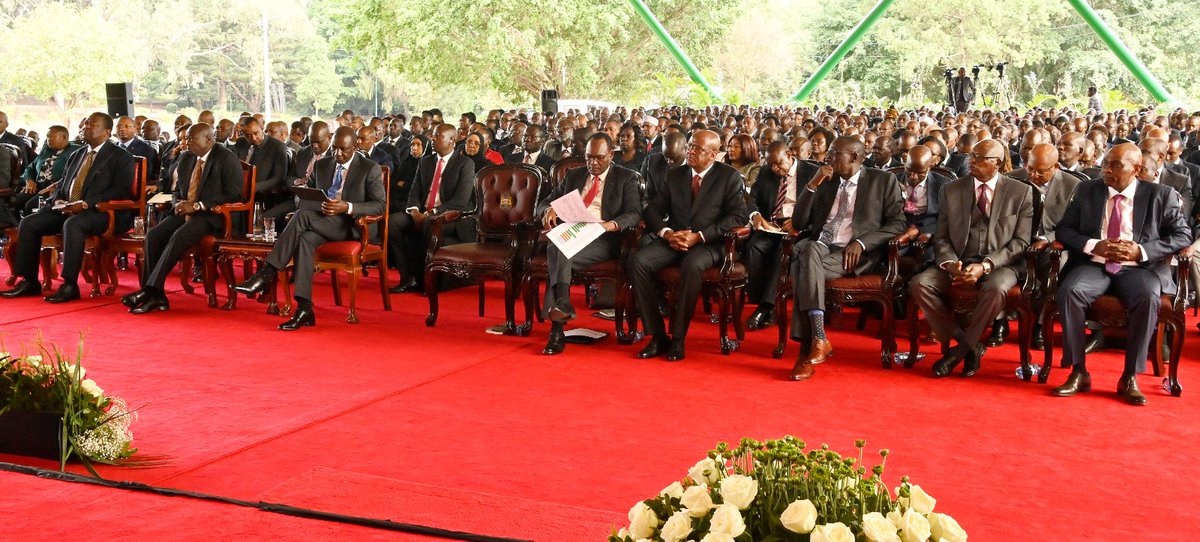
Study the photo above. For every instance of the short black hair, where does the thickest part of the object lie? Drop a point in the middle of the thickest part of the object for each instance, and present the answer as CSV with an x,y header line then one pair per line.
x,y
602,137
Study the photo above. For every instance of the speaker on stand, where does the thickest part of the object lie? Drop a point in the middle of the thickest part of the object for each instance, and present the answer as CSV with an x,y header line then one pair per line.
x,y
120,99
549,102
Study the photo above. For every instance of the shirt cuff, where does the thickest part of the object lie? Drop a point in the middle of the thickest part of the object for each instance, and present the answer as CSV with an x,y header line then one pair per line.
x,y
663,232
861,244
1090,246
702,239
411,209
942,265
349,208
1142,254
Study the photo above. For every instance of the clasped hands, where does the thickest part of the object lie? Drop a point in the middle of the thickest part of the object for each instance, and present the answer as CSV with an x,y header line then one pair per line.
x,y
550,220
963,276
682,240
1118,250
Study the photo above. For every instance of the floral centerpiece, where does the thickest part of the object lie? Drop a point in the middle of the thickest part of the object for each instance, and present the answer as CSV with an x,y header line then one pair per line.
x,y
776,491
94,427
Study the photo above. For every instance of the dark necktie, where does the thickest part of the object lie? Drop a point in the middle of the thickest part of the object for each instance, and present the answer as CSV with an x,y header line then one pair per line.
x,y
982,200
781,198
695,187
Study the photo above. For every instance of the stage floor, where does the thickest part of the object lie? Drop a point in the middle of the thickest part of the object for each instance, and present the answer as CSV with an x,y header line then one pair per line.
x,y
454,428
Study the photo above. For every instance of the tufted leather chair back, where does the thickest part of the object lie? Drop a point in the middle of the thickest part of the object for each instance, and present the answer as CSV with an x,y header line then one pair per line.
x,y
507,195
561,167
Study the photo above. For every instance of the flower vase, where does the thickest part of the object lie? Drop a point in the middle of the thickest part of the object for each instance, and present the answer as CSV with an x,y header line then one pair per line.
x,y
33,434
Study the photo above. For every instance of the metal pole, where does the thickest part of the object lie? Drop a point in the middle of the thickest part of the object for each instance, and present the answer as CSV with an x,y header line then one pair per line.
x,y
1113,42
266,66
640,7
830,63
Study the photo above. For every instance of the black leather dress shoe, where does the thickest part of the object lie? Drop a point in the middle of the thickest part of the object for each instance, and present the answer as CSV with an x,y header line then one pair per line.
x,y
561,313
24,288
1039,338
257,283
1076,383
1127,389
405,287
999,333
556,343
656,347
758,319
151,304
302,318
943,367
135,299
1095,342
65,293
973,361
675,351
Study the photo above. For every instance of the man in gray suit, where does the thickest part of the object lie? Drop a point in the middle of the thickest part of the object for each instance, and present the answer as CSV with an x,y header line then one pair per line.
x,y
1053,189
983,230
353,185
850,213
1121,234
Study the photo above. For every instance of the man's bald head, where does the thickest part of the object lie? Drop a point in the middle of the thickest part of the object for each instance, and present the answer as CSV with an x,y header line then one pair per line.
x,y
319,137
1122,165
918,161
675,148
1155,149
702,149
1042,163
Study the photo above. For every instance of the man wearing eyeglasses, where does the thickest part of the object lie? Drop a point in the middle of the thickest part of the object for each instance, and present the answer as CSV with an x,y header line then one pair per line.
x,y
703,201
984,228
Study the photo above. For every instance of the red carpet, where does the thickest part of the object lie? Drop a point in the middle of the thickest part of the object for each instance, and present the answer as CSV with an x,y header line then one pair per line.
x,y
454,428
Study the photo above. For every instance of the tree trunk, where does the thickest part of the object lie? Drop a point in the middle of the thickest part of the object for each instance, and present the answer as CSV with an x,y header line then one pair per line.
x,y
222,96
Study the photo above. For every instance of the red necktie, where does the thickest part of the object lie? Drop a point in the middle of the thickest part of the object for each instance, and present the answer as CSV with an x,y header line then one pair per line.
x,y
591,195
437,185
695,186
982,202
1114,231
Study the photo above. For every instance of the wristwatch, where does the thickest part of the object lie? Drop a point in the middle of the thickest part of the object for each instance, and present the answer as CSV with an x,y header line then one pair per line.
x,y
987,267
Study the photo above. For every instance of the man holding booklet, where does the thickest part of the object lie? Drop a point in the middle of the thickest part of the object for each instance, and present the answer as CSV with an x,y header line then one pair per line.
x,y
610,196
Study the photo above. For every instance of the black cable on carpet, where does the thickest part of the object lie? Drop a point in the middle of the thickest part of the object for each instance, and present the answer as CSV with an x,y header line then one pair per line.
x,y
263,506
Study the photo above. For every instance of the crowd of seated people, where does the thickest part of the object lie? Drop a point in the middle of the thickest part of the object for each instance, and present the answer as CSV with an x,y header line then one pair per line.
x,y
832,186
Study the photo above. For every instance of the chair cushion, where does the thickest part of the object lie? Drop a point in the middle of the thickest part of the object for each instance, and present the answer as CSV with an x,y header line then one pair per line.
x,y
864,282
712,274
473,253
343,248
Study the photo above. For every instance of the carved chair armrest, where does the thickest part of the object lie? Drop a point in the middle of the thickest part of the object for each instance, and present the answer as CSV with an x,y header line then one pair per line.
x,y
7,192
733,241
1033,252
364,227
1054,253
226,211
1183,278
111,208
895,244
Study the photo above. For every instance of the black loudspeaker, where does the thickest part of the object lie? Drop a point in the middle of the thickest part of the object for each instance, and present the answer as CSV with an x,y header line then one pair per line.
x,y
550,102
120,99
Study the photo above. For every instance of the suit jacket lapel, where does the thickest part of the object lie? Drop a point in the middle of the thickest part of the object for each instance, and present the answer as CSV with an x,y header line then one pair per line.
x,y
967,204
996,213
609,200
1141,202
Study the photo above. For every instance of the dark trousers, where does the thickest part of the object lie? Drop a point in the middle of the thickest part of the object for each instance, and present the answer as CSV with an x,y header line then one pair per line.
x,y
298,243
606,247
75,231
169,241
931,290
407,243
692,264
1139,291
763,261
812,264
279,212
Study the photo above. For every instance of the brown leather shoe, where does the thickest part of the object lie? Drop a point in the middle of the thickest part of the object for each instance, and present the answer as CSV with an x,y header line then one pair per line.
x,y
821,349
802,370
1127,389
1076,383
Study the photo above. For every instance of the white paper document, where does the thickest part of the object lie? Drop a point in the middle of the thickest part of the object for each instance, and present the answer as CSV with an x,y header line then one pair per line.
x,y
161,197
570,208
571,237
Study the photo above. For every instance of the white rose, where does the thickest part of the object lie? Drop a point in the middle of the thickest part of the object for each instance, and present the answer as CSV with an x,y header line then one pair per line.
x,y
739,490
675,490
89,387
697,501
716,537
914,527
677,527
920,500
642,521
943,527
727,520
623,533
705,471
833,532
878,529
799,517
896,518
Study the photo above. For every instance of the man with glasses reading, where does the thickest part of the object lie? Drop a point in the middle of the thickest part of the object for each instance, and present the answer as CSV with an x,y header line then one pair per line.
x,y
982,231
703,201
610,193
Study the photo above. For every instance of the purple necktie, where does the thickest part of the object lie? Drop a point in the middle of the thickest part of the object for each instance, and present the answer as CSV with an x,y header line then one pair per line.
x,y
982,201
1114,231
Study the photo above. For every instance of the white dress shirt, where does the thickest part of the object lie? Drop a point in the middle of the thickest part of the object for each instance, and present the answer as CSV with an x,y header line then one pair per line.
x,y
1126,223
843,236
594,208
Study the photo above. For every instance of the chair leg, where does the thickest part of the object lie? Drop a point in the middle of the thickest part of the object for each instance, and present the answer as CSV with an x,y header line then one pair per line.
x,y
739,308
529,285
49,263
431,294
1048,330
225,264
1156,348
352,273
1025,321
510,308
725,305
781,322
185,273
285,308
210,280
1172,383
383,285
97,269
914,334
887,333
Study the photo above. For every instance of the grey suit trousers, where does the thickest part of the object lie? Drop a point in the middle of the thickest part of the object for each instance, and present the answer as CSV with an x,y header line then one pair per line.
x,y
299,241
929,289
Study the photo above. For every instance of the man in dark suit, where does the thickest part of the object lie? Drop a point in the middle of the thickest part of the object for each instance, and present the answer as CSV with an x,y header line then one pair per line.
x,y
300,169
922,189
270,160
354,186
1154,154
535,137
209,175
611,194
369,146
656,166
703,201
772,199
128,139
1120,233
44,171
445,181
1174,162
99,173
514,141
15,140
382,141
984,227
962,91
849,213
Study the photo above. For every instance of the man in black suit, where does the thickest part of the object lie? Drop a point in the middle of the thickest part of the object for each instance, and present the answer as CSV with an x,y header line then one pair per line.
x,y
611,194
957,162
772,199
209,175
962,91
369,146
703,201
382,142
354,186
270,160
1176,163
128,139
99,173
445,181
300,169
656,166
850,213
532,154
1154,154
1120,233
15,140
514,141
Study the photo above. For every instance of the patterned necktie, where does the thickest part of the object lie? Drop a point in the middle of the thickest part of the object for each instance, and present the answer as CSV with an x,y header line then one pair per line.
x,y
336,187
250,154
194,185
982,200
592,192
695,187
81,178
528,159
910,203
1114,231
781,198
435,186
839,218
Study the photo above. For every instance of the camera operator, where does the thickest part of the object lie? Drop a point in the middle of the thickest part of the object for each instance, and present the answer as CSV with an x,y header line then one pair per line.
x,y
962,89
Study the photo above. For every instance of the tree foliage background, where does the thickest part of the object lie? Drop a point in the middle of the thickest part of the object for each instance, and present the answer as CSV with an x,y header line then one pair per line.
x,y
462,55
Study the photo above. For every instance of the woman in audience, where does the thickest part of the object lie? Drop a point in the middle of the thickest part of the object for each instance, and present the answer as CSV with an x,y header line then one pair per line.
x,y
406,170
742,154
630,144
473,148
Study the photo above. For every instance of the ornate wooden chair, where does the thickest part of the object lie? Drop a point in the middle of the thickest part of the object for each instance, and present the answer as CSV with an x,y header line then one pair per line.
x,y
725,283
17,162
1108,312
205,251
505,198
351,256
887,289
